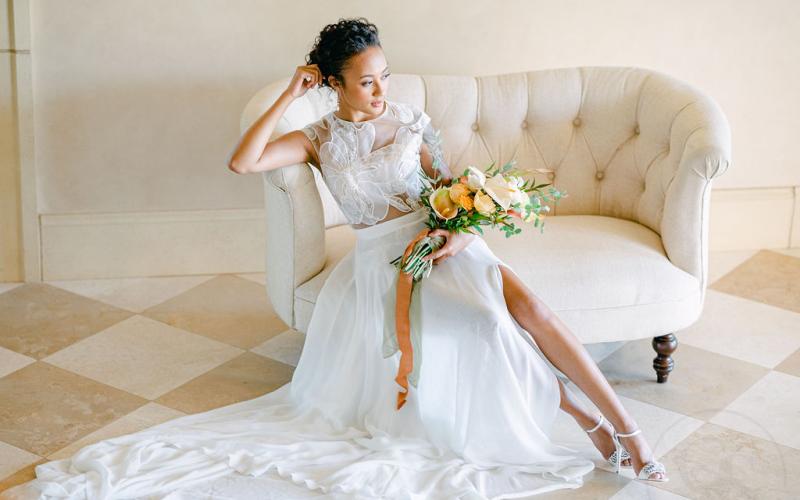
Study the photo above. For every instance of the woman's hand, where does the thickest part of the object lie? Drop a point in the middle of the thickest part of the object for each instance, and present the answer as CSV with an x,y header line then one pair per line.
x,y
304,78
455,242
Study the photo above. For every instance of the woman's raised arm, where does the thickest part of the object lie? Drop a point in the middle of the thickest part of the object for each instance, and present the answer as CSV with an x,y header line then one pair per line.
x,y
255,153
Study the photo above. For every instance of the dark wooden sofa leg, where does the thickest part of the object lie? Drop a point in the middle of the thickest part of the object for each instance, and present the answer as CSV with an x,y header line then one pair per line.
x,y
664,345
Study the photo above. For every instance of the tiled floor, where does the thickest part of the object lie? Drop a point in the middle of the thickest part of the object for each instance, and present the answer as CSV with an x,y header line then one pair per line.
x,y
82,361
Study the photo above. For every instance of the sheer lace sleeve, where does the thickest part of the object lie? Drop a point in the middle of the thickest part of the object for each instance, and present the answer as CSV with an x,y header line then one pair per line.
x,y
432,138
317,132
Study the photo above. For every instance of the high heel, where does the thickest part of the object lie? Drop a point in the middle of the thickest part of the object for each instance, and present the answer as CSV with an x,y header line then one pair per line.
x,y
618,455
649,468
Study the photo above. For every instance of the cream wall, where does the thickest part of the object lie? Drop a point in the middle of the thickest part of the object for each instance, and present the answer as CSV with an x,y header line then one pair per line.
x,y
136,107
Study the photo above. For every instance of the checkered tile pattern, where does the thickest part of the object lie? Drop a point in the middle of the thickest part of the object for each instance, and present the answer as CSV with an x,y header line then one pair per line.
x,y
82,361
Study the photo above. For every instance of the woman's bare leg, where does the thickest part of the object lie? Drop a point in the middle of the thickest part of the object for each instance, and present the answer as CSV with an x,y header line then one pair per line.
x,y
586,420
566,353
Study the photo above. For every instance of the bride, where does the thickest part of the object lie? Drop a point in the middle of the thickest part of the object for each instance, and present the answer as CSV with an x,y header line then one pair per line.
x,y
489,355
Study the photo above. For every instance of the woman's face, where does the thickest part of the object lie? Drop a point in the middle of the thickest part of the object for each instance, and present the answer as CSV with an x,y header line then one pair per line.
x,y
366,78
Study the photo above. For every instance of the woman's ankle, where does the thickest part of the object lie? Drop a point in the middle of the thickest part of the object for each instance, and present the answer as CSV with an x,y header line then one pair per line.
x,y
625,426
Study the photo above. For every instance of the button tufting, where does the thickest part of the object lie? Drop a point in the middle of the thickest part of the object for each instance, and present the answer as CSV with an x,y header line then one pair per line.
x,y
475,126
576,122
551,175
636,130
524,123
599,175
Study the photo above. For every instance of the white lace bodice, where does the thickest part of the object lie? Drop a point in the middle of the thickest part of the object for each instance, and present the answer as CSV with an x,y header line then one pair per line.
x,y
370,165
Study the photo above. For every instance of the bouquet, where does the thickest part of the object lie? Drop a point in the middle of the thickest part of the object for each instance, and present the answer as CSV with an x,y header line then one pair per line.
x,y
476,198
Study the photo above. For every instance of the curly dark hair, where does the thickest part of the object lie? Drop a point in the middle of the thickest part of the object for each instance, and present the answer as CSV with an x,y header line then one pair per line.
x,y
338,42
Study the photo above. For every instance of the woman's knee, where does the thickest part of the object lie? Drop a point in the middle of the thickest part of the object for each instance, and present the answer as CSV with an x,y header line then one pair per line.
x,y
520,299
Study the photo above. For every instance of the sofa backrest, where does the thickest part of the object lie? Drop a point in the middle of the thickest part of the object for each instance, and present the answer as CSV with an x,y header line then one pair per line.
x,y
614,136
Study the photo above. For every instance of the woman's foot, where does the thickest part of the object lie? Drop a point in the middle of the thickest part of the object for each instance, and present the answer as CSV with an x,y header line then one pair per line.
x,y
641,454
603,439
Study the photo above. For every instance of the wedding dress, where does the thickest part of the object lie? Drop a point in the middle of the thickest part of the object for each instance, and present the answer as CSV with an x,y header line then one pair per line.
x,y
477,421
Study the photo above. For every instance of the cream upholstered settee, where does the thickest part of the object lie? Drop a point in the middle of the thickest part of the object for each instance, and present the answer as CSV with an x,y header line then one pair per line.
x,y
624,256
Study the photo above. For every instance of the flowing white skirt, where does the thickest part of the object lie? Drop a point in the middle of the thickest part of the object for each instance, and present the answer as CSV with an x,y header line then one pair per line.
x,y
476,427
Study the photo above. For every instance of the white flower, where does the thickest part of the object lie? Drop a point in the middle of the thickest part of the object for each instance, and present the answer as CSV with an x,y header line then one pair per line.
x,y
519,196
500,190
475,178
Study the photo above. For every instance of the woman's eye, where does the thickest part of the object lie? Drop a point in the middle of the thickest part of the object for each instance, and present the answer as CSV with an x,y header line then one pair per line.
x,y
384,77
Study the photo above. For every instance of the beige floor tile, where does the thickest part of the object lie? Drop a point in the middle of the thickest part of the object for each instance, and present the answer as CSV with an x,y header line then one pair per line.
x,y
719,463
16,481
13,459
770,410
701,384
637,490
744,329
259,278
143,356
242,378
791,364
141,418
45,408
662,428
11,361
285,347
768,277
596,484
37,319
601,350
6,286
722,262
132,294
227,308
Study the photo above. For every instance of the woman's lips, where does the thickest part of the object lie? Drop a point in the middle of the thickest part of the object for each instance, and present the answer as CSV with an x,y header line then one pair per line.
x,y
377,104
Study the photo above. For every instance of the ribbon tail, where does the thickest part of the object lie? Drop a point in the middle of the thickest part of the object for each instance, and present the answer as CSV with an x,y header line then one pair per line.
x,y
405,282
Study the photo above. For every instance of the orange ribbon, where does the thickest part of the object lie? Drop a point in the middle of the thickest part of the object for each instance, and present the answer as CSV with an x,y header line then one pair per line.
x,y
405,282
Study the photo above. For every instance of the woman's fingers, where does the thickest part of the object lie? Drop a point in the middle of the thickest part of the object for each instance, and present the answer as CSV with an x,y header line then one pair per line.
x,y
439,255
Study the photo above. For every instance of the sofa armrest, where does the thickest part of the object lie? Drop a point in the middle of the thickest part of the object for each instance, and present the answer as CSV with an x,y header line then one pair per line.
x,y
295,246
705,133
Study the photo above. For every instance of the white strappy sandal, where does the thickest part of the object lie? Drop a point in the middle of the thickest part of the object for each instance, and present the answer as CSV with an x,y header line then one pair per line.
x,y
649,468
620,454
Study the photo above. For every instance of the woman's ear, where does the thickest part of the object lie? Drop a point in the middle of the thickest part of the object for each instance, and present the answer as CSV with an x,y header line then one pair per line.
x,y
334,83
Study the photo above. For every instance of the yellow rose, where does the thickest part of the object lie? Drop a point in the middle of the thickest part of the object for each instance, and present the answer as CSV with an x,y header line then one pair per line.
x,y
484,204
442,205
458,190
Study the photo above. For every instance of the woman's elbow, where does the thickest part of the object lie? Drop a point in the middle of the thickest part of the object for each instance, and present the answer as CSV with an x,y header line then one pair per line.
x,y
237,167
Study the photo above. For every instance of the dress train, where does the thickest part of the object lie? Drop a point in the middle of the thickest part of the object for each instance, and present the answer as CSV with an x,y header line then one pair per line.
x,y
476,426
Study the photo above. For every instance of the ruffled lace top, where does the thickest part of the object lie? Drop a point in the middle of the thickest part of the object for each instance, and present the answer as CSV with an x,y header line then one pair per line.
x,y
370,165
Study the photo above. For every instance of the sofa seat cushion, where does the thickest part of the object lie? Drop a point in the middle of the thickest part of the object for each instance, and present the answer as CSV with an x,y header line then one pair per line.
x,y
608,279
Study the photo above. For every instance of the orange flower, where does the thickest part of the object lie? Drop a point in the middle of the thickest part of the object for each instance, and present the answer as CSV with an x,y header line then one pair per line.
x,y
457,190
465,201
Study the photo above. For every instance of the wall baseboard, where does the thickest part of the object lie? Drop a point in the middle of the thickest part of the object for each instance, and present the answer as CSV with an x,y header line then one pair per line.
x,y
88,246
114,245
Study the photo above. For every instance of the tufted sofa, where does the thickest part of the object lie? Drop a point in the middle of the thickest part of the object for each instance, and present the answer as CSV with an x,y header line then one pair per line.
x,y
624,256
